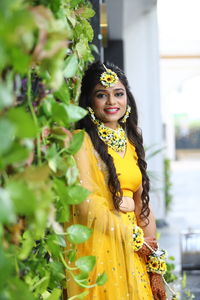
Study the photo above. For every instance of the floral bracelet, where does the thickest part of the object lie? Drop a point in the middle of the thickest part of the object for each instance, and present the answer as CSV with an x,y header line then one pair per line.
x,y
138,238
156,262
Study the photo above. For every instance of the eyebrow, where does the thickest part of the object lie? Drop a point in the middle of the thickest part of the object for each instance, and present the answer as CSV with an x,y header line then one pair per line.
x,y
102,90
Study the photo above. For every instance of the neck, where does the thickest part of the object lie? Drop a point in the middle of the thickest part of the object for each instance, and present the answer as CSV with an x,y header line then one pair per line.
x,y
111,125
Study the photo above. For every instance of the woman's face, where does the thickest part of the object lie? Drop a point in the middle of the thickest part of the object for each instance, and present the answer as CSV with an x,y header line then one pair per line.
x,y
109,104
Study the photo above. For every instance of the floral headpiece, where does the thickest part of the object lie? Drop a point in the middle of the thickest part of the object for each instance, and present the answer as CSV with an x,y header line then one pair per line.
x,y
108,78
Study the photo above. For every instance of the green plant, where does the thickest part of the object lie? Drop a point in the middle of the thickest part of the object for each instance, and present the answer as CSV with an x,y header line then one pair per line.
x,y
45,48
185,291
168,184
169,275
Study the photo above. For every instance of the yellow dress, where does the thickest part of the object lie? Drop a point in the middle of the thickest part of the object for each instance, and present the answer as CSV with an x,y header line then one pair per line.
x,y
111,239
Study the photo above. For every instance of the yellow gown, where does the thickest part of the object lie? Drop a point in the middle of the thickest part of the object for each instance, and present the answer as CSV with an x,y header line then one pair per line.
x,y
111,239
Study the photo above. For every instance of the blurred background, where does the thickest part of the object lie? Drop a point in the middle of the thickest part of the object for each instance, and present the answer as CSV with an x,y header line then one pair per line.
x,y
157,43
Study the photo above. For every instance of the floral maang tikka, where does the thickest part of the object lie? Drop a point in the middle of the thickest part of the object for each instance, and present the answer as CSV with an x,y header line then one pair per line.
x,y
108,78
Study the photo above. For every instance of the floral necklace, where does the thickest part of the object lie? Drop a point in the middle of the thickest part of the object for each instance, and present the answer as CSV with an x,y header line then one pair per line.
x,y
114,138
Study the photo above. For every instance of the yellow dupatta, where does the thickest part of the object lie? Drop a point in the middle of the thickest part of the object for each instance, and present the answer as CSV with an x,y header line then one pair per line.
x,y
111,238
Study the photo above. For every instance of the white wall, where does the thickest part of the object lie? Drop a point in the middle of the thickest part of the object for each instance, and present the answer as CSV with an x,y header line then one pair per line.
x,y
142,69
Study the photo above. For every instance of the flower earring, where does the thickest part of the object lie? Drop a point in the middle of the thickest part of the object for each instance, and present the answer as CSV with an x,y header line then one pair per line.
x,y
92,116
125,117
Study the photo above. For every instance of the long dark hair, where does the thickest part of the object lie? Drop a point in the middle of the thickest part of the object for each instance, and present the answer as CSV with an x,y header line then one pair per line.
x,y
90,80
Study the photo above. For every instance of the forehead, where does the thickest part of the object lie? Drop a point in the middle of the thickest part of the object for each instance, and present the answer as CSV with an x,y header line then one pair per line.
x,y
118,85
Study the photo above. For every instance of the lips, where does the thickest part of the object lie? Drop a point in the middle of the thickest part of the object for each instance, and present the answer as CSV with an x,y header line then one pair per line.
x,y
111,110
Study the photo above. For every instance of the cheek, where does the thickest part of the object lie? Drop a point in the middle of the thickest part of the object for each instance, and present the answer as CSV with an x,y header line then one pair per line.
x,y
97,104
124,102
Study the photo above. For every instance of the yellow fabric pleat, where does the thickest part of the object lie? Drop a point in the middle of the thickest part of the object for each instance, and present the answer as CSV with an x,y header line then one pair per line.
x,y
111,238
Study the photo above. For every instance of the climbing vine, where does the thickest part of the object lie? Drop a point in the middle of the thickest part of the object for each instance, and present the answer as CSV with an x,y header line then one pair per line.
x,y
45,46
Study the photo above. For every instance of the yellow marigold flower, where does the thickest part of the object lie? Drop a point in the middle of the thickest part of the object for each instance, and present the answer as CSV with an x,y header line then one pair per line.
x,y
153,264
108,78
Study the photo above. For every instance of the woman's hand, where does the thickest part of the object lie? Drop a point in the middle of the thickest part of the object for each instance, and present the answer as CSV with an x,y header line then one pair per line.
x,y
157,286
151,241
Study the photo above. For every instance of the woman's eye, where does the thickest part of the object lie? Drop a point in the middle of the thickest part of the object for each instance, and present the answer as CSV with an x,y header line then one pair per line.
x,y
120,94
99,96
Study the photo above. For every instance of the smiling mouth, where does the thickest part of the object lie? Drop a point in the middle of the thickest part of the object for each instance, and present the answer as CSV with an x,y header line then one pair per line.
x,y
111,110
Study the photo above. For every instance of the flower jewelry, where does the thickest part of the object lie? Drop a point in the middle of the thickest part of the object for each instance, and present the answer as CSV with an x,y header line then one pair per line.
x,y
156,262
114,138
125,117
138,238
108,78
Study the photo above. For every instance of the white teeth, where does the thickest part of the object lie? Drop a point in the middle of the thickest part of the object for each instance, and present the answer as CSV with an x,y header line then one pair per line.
x,y
112,109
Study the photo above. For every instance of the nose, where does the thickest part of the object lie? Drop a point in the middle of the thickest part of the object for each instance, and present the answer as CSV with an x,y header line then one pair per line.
x,y
111,99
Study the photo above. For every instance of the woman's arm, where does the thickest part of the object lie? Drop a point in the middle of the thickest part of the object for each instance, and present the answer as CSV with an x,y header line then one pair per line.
x,y
156,281
150,228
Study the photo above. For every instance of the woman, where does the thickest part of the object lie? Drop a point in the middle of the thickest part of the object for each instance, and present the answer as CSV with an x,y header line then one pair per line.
x,y
112,166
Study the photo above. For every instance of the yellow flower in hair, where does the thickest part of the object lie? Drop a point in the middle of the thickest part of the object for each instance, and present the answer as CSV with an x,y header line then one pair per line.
x,y
108,78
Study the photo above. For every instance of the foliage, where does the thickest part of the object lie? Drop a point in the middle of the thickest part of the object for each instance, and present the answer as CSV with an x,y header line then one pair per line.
x,y
185,291
168,184
169,275
45,48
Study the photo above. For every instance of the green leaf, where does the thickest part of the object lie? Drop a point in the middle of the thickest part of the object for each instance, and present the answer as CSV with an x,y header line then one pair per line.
x,y
82,295
24,199
66,114
19,290
7,132
77,234
63,213
6,96
7,267
71,66
23,122
47,105
57,270
55,295
101,279
76,142
82,277
63,93
59,113
52,245
27,244
71,175
171,258
71,255
82,48
55,5
57,163
7,212
75,113
76,194
86,263
17,153
87,12
74,3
